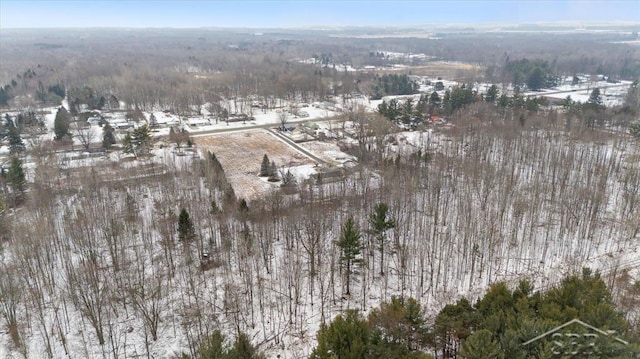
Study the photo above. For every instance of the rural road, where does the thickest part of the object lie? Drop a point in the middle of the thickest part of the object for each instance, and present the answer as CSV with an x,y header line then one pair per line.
x,y
253,127
312,120
576,90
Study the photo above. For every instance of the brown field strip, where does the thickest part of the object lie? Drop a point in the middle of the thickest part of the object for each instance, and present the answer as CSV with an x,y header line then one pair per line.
x,y
241,155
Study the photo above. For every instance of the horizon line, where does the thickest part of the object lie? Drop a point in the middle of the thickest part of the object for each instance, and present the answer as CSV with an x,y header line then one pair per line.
x,y
334,27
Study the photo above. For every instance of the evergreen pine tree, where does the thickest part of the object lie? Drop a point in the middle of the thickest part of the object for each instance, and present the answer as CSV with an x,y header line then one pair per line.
x,y
61,124
592,110
351,248
502,320
288,179
186,232
504,101
213,348
434,99
127,144
243,208
242,349
595,98
492,94
5,95
273,172
346,337
265,167
17,181
536,79
215,164
380,223
16,145
446,102
108,136
397,328
634,130
138,141
454,324
480,345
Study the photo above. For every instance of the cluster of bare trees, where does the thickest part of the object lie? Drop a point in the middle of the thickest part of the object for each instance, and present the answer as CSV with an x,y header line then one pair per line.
x,y
154,74
94,264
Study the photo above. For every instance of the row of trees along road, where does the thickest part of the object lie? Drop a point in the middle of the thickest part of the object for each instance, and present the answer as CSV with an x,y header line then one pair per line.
x,y
590,114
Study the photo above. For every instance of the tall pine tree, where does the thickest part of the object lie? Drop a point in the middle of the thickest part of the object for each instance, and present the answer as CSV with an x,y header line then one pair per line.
x,y
351,248
380,222
16,145
273,172
138,141
492,94
265,166
186,231
108,136
61,124
17,181
346,337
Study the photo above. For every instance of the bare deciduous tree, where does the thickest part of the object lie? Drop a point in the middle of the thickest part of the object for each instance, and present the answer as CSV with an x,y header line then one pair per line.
x,y
85,134
11,297
90,290
284,118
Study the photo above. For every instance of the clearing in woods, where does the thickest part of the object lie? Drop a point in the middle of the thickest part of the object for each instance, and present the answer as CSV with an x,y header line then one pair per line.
x,y
241,156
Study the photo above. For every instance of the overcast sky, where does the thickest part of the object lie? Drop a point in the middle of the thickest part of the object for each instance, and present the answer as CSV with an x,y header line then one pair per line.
x,y
204,13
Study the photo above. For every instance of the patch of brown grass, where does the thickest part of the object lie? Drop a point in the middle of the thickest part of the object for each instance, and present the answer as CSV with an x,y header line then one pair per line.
x,y
241,155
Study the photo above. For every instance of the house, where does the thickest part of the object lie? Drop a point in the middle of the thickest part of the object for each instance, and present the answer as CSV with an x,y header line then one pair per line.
x,y
236,117
435,119
194,122
330,106
94,120
329,175
120,124
553,101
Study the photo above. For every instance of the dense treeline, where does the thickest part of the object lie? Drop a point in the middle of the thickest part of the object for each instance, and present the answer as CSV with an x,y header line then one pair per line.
x,y
566,55
181,69
535,74
393,85
591,114
397,329
501,324
29,82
